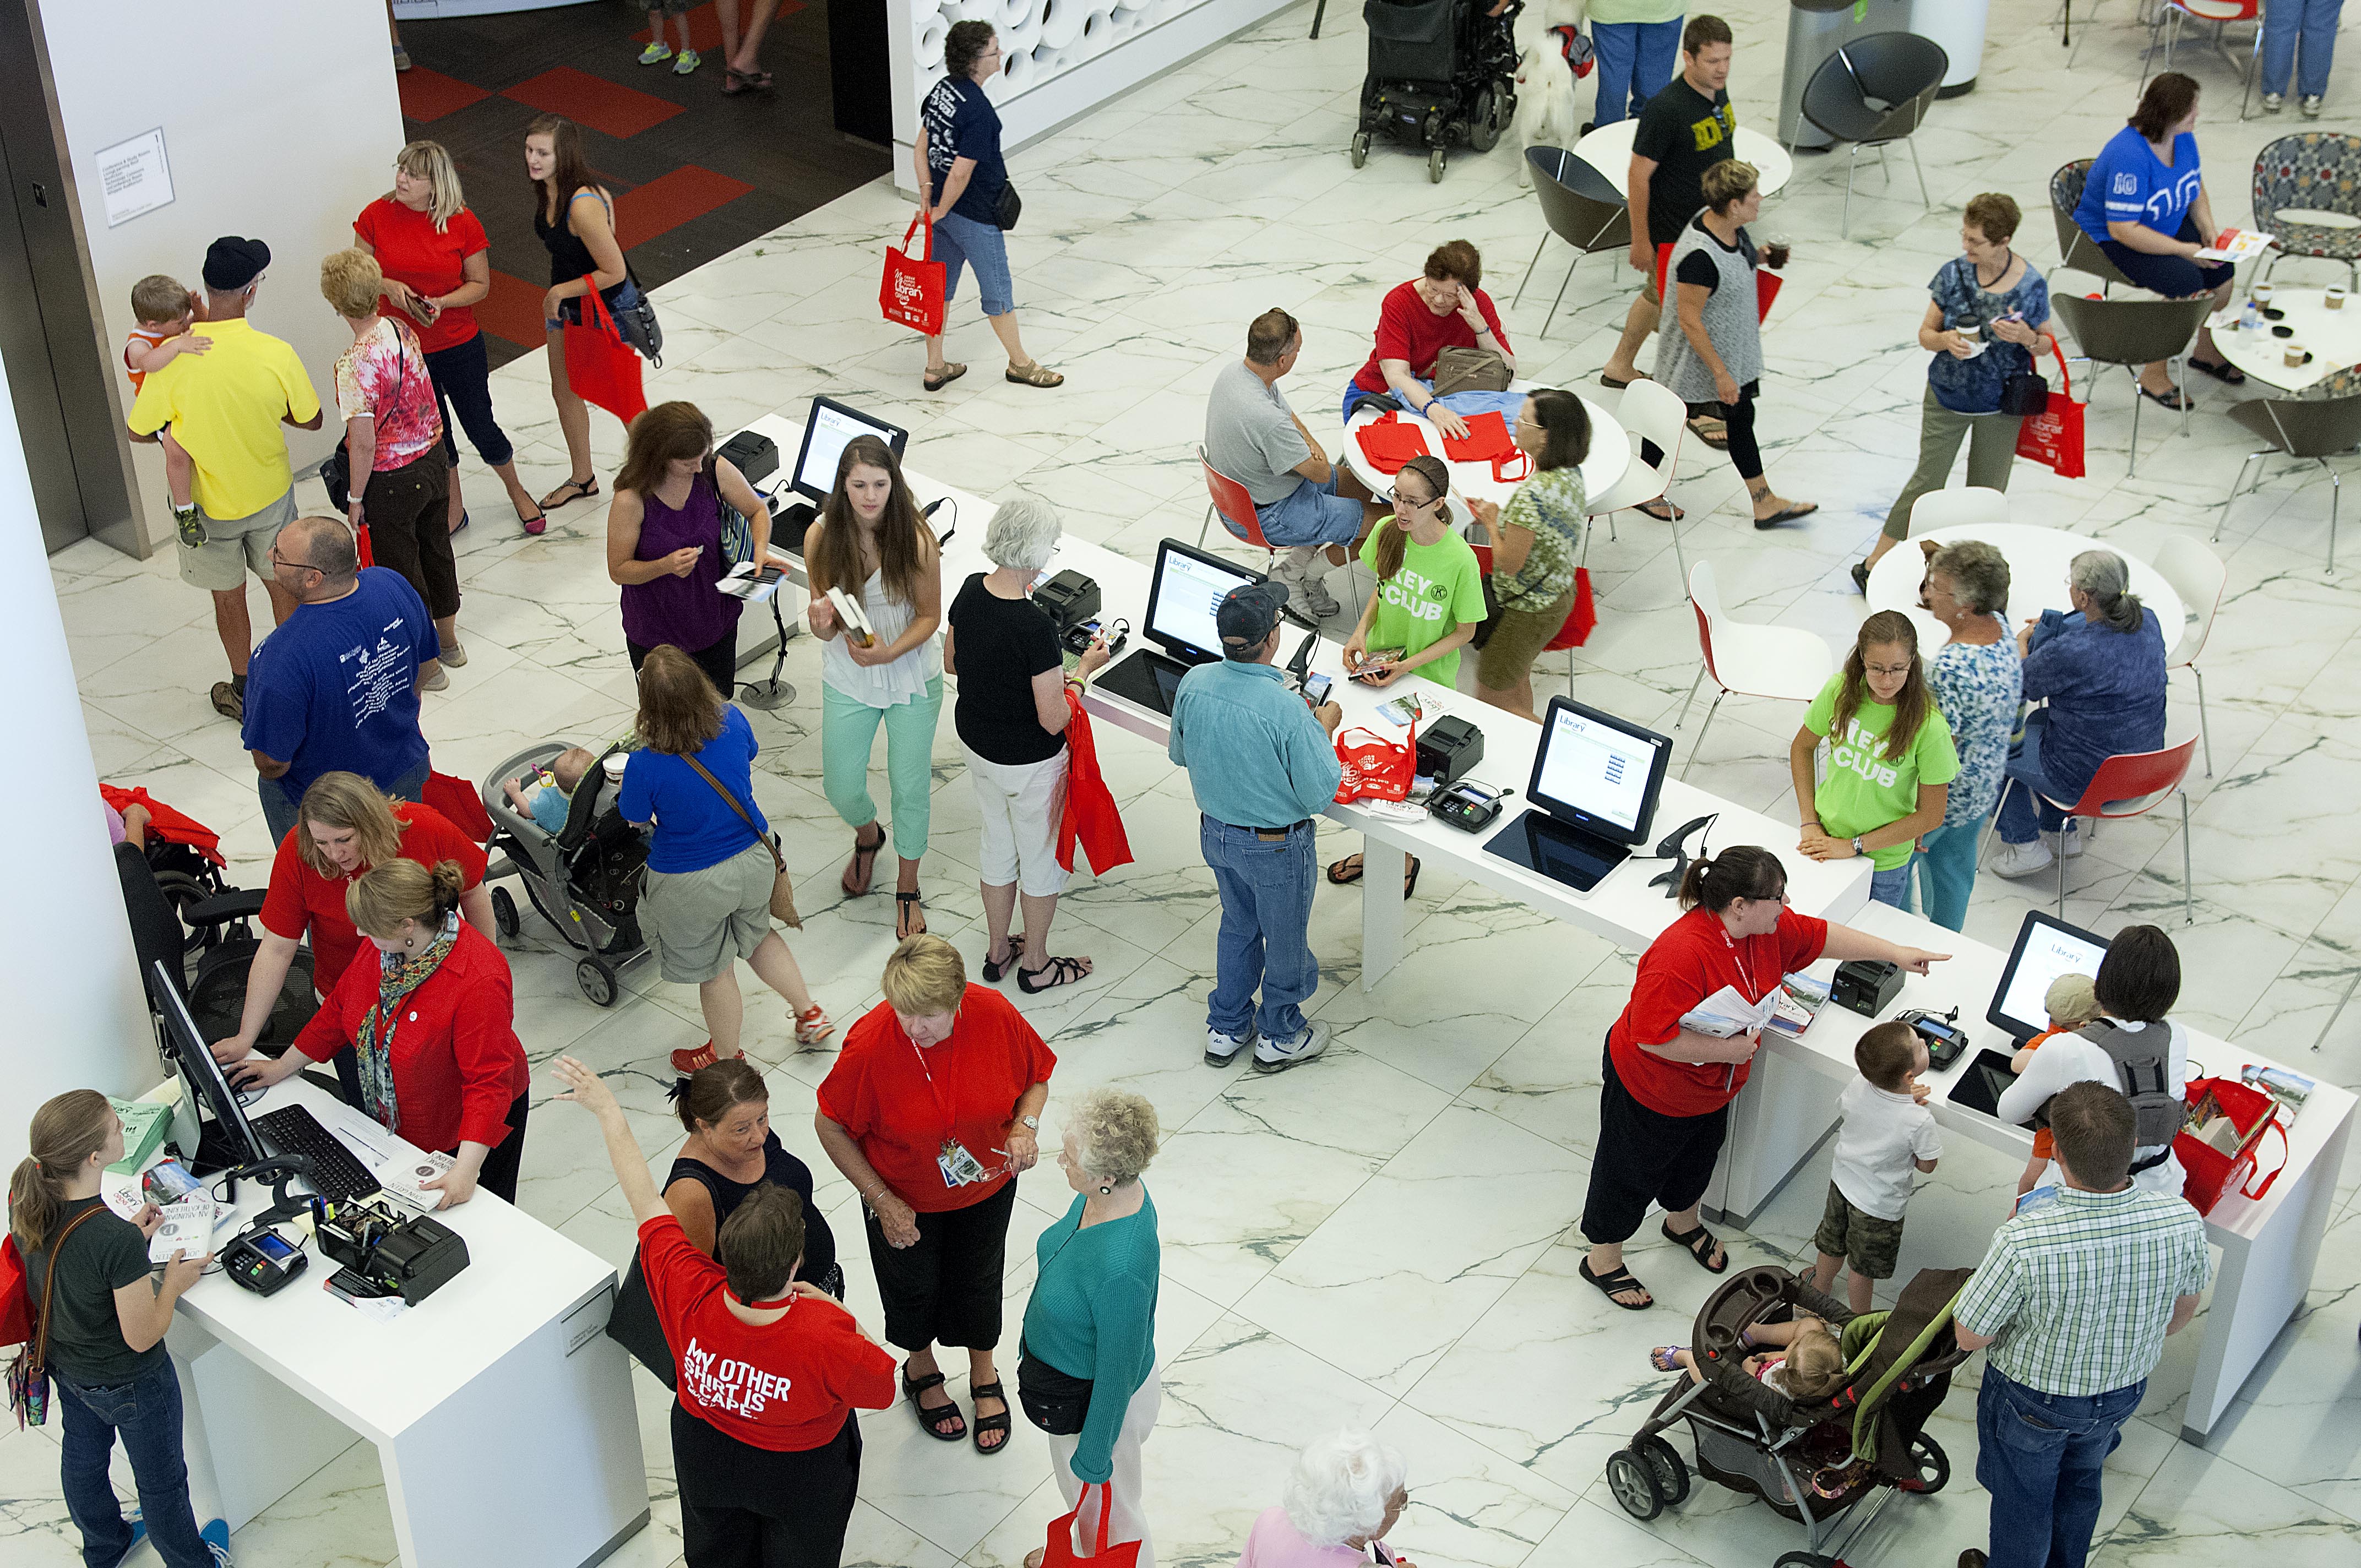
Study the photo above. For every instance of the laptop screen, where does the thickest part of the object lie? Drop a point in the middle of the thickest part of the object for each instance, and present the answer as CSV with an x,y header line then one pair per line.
x,y
1188,588
827,428
2045,950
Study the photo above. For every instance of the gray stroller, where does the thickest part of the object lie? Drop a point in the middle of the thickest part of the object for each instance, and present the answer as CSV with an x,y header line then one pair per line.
x,y
585,878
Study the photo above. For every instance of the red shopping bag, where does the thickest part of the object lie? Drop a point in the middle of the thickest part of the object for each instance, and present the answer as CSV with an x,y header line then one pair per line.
x,y
2053,438
1513,466
361,542
1376,768
15,1302
1580,620
1486,440
2213,1174
1058,1552
600,365
1766,283
459,805
912,292
1389,442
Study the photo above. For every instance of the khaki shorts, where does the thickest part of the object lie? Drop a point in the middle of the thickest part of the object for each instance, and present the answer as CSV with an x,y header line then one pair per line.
x,y
1867,1244
235,546
1517,640
700,923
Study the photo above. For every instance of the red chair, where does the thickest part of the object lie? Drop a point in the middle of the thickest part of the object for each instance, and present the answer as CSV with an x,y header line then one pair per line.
x,y
1232,506
2130,783
2166,22
1566,636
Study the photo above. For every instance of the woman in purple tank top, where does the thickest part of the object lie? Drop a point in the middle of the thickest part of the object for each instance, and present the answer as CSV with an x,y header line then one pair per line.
x,y
663,540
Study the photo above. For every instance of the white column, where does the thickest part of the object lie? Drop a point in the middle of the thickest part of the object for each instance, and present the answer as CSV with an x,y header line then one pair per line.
x,y
71,1012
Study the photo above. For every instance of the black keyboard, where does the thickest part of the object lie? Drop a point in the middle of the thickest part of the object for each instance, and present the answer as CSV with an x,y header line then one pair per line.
x,y
335,1174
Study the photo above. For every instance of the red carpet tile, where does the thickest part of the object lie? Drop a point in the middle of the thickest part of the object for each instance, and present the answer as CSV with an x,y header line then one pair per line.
x,y
511,311
671,200
705,25
428,94
604,106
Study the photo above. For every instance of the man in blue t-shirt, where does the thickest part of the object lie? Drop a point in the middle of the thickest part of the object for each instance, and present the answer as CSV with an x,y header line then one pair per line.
x,y
335,687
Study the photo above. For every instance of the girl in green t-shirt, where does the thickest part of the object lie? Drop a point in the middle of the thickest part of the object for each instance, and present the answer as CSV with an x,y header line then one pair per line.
x,y
1891,762
1430,597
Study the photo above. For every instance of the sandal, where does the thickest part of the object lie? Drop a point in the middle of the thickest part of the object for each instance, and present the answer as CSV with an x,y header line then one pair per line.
x,y
857,870
1612,385
1712,431
535,525
1061,970
1663,1358
461,526
2221,370
734,80
1615,1282
1670,514
994,972
813,1025
566,494
1700,1243
1001,1423
909,918
1034,375
2176,399
228,701
1787,515
930,1419
1346,872
934,381
1860,577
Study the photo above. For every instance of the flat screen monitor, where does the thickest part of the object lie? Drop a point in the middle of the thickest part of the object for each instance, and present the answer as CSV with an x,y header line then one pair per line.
x,y
233,1140
825,430
1599,773
2045,950
1188,588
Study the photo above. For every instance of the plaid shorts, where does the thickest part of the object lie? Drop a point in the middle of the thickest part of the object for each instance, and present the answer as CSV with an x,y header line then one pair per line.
x,y
1865,1242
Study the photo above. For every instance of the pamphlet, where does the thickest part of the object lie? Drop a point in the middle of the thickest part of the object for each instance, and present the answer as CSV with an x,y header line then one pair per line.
x,y
745,581
400,1178
146,1124
2236,244
1797,1001
1726,1013
188,1228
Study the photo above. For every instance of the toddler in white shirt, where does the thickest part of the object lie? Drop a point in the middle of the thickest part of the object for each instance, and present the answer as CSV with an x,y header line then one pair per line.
x,y
1888,1133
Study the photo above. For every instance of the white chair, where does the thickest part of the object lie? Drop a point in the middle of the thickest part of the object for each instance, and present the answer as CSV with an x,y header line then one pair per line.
x,y
2196,573
1783,662
1649,412
1962,506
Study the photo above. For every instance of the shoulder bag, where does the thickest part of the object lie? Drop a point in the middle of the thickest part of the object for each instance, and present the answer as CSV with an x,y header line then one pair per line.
x,y
633,1325
1459,369
1009,208
29,1375
737,528
783,889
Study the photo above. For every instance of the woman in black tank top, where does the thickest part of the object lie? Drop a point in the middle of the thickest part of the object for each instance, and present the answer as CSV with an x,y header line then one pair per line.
x,y
576,219
730,1151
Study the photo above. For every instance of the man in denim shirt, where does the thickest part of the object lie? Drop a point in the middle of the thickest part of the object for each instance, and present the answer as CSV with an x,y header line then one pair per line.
x,y
1263,765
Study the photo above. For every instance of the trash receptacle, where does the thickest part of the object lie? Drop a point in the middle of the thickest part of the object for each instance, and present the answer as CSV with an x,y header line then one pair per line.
x,y
1814,29
1959,26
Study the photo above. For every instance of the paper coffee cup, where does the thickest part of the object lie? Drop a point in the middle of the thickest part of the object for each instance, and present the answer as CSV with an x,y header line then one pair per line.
x,y
2262,294
2296,355
2335,299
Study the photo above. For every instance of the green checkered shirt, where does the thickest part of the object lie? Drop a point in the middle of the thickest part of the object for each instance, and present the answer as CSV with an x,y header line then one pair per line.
x,y
2076,1291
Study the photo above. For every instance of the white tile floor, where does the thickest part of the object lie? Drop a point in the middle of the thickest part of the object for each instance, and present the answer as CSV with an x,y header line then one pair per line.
x,y
1154,230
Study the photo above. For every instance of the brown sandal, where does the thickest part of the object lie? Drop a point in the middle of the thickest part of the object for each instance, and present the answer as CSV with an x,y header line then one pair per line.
x,y
934,381
1036,374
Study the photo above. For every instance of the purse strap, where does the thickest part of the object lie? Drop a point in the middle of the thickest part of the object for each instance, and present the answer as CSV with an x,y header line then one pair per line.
x,y
723,790
41,1362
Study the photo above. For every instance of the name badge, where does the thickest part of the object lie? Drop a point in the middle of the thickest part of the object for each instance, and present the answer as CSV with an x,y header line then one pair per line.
x,y
960,1168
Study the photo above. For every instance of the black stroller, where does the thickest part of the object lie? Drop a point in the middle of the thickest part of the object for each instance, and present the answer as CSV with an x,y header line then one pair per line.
x,y
1814,1461
1441,72
585,878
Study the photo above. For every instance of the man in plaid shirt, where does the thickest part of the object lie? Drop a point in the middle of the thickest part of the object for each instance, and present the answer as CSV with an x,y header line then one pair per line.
x,y
2073,1302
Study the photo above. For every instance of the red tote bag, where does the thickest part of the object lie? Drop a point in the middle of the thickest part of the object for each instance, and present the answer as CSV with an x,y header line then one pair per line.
x,y
912,292
2210,1174
2053,438
1058,1552
600,365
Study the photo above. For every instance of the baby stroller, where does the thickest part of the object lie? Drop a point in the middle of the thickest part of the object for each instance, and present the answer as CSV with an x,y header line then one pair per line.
x,y
585,878
1441,72
1814,1461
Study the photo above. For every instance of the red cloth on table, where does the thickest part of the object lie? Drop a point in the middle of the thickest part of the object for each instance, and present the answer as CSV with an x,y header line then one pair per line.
x,y
1486,438
302,901
1091,816
173,826
1388,444
1693,958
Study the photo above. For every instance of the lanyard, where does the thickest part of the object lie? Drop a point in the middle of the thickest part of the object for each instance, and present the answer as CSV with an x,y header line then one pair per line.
x,y
1738,957
949,1122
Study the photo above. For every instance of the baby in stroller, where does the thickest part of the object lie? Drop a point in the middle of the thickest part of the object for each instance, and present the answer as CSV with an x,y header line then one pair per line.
x,y
1809,1364
578,860
548,804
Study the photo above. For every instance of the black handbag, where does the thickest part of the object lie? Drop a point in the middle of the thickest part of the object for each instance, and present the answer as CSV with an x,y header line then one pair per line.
x,y
2024,393
634,1326
1055,1401
337,468
1009,208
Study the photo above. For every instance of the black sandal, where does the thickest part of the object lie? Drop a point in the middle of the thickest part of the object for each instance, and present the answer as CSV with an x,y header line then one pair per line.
x,y
929,1419
1001,1423
2221,370
1613,1280
1670,514
1062,972
906,907
582,492
864,863
994,972
1699,1244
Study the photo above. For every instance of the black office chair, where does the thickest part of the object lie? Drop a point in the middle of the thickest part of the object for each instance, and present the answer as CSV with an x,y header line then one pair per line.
x,y
1873,92
2075,248
2316,428
1581,207
216,992
2132,333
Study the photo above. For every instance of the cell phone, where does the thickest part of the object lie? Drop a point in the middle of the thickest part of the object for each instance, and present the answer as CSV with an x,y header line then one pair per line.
x,y
1316,688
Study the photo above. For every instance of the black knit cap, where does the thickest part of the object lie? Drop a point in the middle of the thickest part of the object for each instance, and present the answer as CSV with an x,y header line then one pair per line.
x,y
232,263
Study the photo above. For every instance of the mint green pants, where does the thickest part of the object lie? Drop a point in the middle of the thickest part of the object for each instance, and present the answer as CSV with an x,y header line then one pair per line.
x,y
848,733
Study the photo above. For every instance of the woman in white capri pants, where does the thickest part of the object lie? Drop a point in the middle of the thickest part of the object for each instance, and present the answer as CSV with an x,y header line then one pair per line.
x,y
1011,718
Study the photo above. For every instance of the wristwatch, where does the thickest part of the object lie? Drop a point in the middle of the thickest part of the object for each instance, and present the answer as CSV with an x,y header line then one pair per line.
x,y
1032,1122
1857,847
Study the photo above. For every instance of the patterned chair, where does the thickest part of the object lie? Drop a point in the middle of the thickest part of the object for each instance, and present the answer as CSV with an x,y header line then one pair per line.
x,y
2318,172
2075,248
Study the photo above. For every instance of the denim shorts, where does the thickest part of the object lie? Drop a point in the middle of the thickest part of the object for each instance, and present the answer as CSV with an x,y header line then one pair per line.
x,y
963,242
1311,514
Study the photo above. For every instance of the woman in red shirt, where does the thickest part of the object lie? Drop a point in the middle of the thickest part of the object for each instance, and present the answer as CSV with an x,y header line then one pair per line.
x,y
1665,1105
931,1113
438,267
764,1439
1441,309
433,1022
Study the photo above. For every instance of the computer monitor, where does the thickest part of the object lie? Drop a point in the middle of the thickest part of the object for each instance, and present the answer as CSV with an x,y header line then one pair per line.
x,y
1597,773
2045,950
1188,587
827,428
206,1090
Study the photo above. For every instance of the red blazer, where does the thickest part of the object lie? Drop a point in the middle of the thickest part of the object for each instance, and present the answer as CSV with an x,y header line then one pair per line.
x,y
458,1064
1091,814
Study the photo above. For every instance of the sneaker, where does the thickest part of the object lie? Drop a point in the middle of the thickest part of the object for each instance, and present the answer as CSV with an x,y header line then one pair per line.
x,y
190,527
1275,1056
689,61
1221,1049
2021,859
439,681
138,1533
2273,103
216,1539
656,53
1302,571
2072,835
2311,105
813,1025
704,1056
453,654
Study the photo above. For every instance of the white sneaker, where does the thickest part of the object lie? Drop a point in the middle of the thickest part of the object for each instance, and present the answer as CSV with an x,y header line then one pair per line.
x,y
453,654
2311,105
2073,837
1275,1056
1221,1049
2273,103
437,681
2022,860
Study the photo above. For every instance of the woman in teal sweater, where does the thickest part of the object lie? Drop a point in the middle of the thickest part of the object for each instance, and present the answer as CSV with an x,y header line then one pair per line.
x,y
1087,1371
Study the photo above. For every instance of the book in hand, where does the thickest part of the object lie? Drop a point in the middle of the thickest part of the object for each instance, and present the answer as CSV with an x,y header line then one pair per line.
x,y
852,618
1797,1001
2235,245
146,1123
401,1180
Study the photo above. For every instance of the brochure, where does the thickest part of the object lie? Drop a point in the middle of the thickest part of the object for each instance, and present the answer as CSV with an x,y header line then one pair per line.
x,y
2235,245
1798,1001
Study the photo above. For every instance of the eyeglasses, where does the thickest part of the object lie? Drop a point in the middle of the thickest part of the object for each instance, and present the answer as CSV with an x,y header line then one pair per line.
x,y
1890,669
278,560
1401,500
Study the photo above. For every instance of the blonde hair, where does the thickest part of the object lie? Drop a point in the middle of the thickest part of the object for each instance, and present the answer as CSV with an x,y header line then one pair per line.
x,y
350,280
925,976
1727,181
1116,1133
350,802
67,1130
572,764
403,890
2072,1000
1815,1365
156,299
430,161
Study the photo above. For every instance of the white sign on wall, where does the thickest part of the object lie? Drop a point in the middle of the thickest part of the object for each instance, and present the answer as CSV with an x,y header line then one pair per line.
x,y
135,176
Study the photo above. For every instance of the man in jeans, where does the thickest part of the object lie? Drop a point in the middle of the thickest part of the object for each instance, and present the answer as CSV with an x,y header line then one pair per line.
x,y
2073,1302
1263,765
1636,42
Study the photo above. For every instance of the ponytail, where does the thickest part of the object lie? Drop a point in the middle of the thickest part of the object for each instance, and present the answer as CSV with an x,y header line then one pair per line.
x,y
1742,871
1393,541
2103,574
66,1132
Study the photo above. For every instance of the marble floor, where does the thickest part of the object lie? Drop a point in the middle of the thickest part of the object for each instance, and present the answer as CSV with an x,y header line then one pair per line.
x,y
1293,1302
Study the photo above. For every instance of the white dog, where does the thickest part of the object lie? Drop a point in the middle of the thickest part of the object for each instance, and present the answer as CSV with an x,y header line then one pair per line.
x,y
1546,116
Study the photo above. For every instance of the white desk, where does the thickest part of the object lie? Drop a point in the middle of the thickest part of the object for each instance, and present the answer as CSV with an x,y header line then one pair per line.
x,y
1609,150
1610,455
2333,337
2038,560
500,1409
2268,1245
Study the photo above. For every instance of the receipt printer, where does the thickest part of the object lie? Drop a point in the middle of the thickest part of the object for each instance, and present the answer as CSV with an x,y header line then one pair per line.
x,y
410,1256
1866,985
753,453
1447,749
1071,600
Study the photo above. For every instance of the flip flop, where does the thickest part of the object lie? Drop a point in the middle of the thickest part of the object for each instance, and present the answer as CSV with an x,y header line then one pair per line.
x,y
909,917
582,490
2225,372
1787,515
1662,1357
1613,1280
1612,385
2175,399
1675,513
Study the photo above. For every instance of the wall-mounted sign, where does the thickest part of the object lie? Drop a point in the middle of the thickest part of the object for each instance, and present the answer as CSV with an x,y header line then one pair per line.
x,y
135,176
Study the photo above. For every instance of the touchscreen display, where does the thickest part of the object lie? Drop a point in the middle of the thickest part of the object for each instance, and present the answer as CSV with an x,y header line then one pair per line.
x,y
2046,950
824,441
1187,592
1595,768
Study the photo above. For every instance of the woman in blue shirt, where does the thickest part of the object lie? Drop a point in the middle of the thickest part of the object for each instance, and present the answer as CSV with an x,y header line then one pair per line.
x,y
2145,204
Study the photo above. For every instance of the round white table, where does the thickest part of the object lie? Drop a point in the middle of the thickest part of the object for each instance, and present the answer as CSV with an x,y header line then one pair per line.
x,y
2038,562
1609,150
2333,337
1611,454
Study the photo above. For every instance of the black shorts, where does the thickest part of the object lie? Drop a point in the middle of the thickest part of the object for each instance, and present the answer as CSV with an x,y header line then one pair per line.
x,y
2174,277
1645,1157
945,1287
